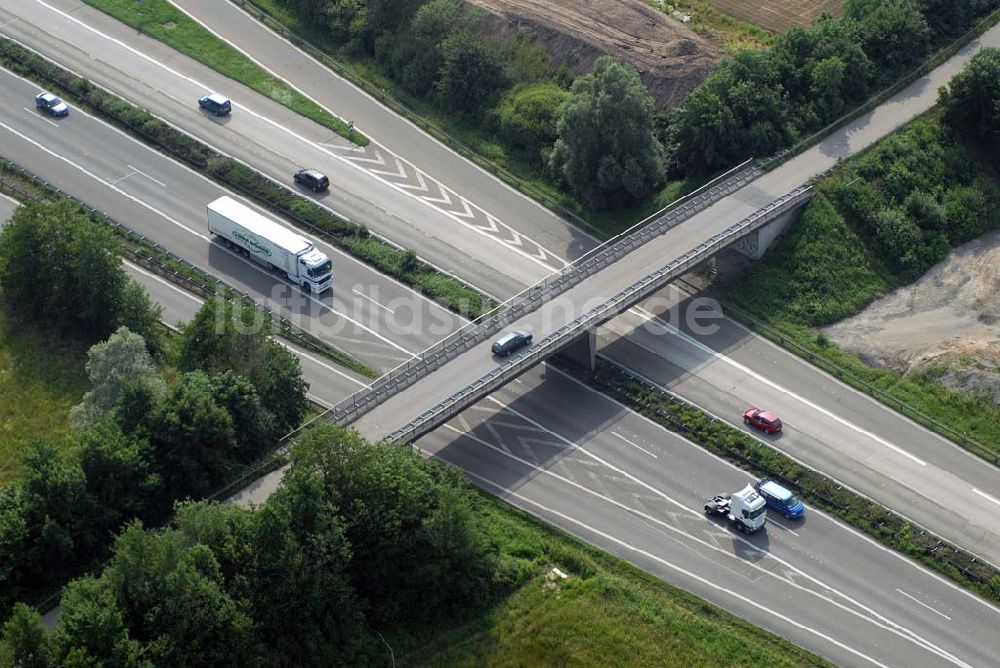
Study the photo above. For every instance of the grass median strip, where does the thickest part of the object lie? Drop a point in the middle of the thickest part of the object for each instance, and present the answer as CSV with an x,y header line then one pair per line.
x,y
164,22
822,492
353,239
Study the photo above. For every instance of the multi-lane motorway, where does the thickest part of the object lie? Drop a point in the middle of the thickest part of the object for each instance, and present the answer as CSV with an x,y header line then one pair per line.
x,y
830,424
575,458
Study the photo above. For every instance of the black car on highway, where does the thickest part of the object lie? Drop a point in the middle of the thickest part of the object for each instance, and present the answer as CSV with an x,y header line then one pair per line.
x,y
216,104
51,104
511,342
310,178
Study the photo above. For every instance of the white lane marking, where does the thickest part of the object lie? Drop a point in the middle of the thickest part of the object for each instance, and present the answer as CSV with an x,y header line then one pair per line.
x,y
361,294
649,317
684,508
166,283
634,445
683,571
40,117
873,617
845,527
986,496
252,265
772,523
139,171
294,350
299,137
915,600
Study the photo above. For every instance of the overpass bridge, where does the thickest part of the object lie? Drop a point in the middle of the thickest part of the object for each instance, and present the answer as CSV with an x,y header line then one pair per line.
x,y
564,310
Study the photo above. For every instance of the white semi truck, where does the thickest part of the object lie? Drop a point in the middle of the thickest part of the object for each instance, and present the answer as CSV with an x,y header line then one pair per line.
x,y
746,510
272,245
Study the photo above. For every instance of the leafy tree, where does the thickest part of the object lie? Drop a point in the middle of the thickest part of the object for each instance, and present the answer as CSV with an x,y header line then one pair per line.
x,y
390,500
193,438
925,211
527,116
58,513
60,269
13,543
471,74
436,20
971,101
25,642
121,475
894,34
141,315
172,600
91,629
223,337
606,151
121,360
256,428
899,236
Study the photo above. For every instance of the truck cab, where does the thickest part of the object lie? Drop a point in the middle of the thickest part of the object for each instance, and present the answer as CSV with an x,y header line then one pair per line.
x,y
748,509
316,269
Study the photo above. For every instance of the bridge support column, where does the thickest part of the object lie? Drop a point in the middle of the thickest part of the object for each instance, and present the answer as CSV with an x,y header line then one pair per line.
x,y
754,244
583,350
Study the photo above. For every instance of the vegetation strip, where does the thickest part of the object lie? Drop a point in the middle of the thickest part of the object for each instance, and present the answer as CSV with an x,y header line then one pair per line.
x,y
165,23
349,237
24,185
747,452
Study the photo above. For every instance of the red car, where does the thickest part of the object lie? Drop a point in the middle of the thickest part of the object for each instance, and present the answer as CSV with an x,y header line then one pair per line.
x,y
764,420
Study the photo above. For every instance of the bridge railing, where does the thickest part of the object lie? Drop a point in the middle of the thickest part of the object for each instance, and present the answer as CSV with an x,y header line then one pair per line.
x,y
616,305
531,298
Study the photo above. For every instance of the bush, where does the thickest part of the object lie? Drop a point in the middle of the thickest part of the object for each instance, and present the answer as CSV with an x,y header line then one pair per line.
x,y
527,116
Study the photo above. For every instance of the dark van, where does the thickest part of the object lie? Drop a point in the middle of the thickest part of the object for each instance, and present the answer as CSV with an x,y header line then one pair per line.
x,y
216,104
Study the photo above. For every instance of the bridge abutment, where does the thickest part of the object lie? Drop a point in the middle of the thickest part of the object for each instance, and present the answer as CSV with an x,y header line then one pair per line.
x,y
757,242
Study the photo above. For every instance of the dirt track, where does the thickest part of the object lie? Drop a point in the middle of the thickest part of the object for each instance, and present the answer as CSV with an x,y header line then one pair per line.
x,y
670,57
950,317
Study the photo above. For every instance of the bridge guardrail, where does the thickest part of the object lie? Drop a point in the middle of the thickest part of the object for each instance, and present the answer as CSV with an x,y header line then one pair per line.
x,y
533,296
614,306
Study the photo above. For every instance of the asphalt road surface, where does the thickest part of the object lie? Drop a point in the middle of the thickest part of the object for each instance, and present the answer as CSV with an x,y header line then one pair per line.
x,y
573,457
859,422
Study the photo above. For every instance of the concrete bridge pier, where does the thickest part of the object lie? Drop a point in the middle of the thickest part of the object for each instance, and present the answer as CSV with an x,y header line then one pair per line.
x,y
583,350
754,244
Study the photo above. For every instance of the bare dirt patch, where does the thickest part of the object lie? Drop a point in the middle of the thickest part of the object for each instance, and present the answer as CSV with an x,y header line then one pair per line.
x,y
948,321
669,56
777,15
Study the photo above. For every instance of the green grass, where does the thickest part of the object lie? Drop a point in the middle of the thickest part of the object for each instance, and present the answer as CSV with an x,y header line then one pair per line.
x,y
161,20
41,378
608,613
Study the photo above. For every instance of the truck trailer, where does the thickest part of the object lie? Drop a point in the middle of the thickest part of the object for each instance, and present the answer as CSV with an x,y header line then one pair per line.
x,y
270,244
745,510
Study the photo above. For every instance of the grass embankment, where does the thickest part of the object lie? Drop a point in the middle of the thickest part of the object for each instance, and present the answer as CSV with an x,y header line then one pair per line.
x,y
607,613
161,20
41,378
880,222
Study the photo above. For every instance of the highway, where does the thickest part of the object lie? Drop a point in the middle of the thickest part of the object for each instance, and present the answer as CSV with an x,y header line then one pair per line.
x,y
601,472
829,423
623,530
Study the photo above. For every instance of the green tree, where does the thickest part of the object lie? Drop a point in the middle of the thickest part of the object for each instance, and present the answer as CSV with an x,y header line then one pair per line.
x,y
121,476
223,337
894,34
606,151
91,629
471,73
13,543
25,642
58,513
172,599
141,315
62,270
528,115
121,360
971,101
396,508
193,438
256,428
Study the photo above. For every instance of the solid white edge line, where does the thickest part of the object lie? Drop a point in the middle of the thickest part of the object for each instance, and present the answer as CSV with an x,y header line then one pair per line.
x,y
915,600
